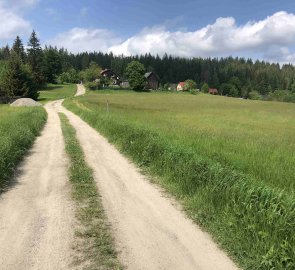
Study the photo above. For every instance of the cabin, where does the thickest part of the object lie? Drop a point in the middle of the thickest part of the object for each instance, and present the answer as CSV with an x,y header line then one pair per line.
x,y
180,86
115,79
152,80
213,91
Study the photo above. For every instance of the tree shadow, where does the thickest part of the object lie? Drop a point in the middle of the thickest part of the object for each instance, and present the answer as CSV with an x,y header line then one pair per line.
x,y
51,87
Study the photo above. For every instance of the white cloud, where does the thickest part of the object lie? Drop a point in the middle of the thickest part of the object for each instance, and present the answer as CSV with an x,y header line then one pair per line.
x,y
12,24
270,39
81,39
224,37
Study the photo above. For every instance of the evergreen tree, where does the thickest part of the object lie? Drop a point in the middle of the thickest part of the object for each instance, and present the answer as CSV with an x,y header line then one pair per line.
x,y
18,48
17,80
35,60
52,64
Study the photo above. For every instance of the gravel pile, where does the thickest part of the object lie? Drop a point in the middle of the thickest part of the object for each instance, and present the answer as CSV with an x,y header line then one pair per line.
x,y
25,102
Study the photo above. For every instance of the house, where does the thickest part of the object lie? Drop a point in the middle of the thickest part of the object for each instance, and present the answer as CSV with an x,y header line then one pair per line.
x,y
152,80
213,91
108,73
180,86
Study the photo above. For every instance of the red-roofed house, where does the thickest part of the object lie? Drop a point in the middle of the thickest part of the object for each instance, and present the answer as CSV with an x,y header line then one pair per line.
x,y
180,86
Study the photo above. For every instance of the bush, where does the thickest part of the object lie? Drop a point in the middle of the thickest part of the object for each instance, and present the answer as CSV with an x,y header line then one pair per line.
x,y
254,95
205,88
189,85
93,85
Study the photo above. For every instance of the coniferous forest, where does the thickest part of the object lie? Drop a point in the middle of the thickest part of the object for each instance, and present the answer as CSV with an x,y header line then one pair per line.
x,y
23,72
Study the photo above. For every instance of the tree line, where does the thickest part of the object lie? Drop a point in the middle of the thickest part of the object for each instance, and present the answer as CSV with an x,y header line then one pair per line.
x,y
24,72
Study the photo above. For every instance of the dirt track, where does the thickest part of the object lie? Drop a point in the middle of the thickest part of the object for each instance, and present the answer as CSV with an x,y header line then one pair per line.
x,y
150,232
36,216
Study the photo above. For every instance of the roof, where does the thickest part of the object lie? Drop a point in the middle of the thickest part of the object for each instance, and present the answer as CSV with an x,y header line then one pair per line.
x,y
105,70
148,74
213,90
182,84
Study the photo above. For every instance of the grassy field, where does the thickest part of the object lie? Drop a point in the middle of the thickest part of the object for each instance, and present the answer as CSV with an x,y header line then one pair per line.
x,y
98,248
57,91
229,161
18,129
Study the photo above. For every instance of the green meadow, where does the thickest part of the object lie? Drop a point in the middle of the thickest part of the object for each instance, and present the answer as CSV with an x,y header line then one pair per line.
x,y
18,130
229,161
53,92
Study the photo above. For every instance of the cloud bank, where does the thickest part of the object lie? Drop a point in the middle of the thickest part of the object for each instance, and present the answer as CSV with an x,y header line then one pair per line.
x,y
271,39
12,22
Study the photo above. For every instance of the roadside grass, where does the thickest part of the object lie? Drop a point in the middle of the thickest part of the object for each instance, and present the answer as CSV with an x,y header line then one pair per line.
x,y
229,161
18,129
95,241
56,91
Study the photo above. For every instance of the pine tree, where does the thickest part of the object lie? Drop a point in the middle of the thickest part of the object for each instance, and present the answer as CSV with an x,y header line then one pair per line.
x,y
17,80
35,59
52,64
18,48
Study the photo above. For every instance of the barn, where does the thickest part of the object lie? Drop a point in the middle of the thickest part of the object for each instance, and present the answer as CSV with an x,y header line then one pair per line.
x,y
152,80
115,79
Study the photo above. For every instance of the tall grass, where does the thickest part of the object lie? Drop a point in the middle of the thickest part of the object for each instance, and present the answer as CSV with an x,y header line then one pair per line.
x,y
18,129
212,153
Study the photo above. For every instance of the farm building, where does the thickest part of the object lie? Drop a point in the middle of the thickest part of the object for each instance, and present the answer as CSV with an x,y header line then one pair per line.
x,y
180,86
213,91
152,80
115,79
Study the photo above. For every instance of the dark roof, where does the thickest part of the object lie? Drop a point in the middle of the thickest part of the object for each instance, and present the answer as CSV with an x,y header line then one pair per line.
x,y
148,74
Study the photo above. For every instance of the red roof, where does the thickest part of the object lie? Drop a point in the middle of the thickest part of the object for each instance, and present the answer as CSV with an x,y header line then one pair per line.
x,y
181,84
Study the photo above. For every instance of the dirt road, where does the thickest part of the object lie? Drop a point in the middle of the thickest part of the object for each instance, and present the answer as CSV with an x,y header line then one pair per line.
x,y
150,232
36,214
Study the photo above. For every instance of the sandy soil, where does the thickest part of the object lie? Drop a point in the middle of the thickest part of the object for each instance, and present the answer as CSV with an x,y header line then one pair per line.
x,y
150,232
80,90
37,214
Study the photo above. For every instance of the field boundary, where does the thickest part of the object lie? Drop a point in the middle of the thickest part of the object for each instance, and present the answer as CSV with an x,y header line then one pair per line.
x,y
250,220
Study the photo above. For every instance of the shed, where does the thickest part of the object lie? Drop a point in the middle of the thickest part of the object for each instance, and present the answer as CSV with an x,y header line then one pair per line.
x,y
152,80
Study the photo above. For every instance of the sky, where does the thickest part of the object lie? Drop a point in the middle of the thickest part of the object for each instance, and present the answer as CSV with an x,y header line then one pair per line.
x,y
263,29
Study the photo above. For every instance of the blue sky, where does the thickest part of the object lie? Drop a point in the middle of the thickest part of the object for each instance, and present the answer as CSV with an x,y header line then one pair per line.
x,y
258,29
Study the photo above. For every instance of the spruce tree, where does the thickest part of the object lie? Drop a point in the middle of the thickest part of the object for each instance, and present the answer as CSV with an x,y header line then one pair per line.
x,y
18,48
17,80
35,59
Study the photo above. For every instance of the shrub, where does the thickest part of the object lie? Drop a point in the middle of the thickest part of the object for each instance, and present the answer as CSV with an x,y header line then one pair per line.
x,y
93,85
254,95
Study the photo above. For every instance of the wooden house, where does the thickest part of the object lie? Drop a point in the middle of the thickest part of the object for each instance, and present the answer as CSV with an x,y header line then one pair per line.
x,y
153,81
213,91
115,79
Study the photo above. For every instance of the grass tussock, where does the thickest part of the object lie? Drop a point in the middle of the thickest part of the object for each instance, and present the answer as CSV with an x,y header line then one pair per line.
x,y
252,217
18,130
95,242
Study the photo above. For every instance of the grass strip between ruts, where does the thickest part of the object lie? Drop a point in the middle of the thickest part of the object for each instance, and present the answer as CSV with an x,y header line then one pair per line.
x,y
95,243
